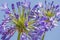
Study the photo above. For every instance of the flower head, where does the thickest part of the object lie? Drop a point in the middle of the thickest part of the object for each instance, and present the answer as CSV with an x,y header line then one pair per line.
x,y
46,15
16,21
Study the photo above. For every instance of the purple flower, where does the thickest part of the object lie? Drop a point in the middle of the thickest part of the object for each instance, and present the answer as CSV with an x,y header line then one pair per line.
x,y
5,8
47,15
31,23
8,33
36,34
18,4
17,21
26,4
13,7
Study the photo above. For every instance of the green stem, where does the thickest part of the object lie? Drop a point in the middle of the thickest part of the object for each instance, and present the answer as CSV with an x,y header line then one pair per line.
x,y
43,36
18,36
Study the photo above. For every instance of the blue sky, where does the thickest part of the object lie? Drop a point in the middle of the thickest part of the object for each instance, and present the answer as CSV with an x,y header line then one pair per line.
x,y
54,34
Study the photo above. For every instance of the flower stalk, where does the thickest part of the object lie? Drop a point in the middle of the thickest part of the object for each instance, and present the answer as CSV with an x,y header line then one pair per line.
x,y
43,36
18,36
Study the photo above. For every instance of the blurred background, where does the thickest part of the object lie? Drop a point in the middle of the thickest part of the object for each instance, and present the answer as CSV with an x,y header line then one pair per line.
x,y
54,34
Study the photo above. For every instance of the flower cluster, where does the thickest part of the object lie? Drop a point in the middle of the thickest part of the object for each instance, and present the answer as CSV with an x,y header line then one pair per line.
x,y
30,23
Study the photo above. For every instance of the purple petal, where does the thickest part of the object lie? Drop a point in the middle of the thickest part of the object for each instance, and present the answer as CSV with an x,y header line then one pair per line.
x,y
18,4
57,6
13,7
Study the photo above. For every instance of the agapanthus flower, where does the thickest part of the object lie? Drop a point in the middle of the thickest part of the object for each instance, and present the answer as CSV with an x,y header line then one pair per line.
x,y
30,23
46,16
20,22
